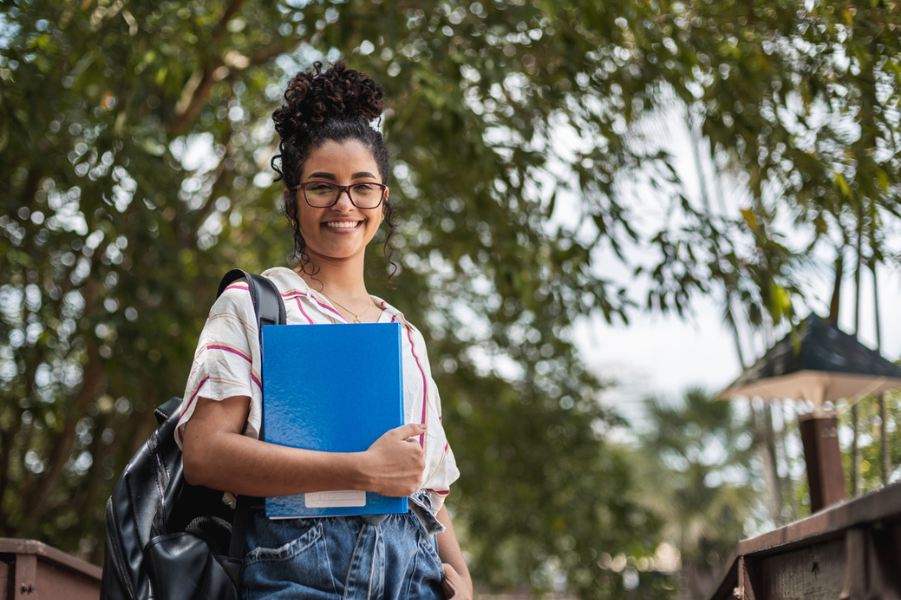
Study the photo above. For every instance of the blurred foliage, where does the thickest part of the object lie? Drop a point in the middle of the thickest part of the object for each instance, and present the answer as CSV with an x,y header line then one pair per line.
x,y
696,461
134,149
871,475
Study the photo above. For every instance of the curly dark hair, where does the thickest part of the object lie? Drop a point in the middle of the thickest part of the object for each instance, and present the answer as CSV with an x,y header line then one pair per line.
x,y
336,104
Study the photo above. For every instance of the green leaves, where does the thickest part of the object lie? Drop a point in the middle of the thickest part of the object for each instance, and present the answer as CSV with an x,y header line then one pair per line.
x,y
134,148
694,461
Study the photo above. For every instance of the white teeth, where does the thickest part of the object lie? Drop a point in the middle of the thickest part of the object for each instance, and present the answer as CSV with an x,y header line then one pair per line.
x,y
342,224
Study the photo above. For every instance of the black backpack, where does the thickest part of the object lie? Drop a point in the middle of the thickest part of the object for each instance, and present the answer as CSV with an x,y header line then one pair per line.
x,y
167,539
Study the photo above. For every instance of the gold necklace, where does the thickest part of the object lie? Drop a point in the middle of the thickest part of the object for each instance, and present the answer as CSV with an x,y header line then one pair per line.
x,y
355,315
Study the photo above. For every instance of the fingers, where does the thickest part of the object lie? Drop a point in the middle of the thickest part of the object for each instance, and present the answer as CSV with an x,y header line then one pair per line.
x,y
396,465
411,430
448,581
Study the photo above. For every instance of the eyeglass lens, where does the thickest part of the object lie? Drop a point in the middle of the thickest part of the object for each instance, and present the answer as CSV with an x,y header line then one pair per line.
x,y
323,194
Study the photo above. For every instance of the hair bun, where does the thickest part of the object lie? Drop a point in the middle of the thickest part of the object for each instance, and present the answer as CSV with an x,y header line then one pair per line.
x,y
315,95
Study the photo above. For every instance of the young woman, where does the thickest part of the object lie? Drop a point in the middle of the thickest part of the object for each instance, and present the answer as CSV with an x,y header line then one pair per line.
x,y
335,168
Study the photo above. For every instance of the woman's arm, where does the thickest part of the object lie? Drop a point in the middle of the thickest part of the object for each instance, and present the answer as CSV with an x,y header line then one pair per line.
x,y
218,456
457,581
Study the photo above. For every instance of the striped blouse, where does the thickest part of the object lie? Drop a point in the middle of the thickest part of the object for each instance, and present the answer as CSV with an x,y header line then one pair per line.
x,y
227,363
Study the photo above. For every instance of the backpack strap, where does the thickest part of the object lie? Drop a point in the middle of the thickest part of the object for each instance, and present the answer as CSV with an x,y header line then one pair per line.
x,y
270,310
267,301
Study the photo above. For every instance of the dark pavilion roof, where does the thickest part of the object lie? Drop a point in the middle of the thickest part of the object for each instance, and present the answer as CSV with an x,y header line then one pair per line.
x,y
817,361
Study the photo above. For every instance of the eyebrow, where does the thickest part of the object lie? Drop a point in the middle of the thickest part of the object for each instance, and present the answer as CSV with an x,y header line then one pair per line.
x,y
331,176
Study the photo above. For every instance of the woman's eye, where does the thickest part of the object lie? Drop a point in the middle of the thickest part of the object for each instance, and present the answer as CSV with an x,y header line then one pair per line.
x,y
320,188
364,188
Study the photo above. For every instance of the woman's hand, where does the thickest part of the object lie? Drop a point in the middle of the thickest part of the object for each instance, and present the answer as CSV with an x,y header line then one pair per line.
x,y
217,455
455,586
457,582
396,461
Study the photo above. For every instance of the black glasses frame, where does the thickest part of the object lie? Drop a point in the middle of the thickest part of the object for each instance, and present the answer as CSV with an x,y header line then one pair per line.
x,y
341,189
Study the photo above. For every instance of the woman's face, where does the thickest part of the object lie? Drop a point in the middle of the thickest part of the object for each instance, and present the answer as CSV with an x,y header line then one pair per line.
x,y
342,231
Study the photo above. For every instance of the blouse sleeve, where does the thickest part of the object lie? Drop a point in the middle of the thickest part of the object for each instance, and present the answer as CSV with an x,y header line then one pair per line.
x,y
227,359
441,467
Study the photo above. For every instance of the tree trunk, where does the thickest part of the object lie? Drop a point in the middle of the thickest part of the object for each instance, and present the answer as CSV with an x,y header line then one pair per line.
x,y
884,453
782,456
774,456
791,418
770,475
736,336
886,462
855,451
855,412
858,267
837,286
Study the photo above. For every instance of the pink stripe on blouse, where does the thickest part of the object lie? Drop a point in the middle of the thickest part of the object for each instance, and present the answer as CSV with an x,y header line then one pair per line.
x,y
298,294
242,355
326,307
302,311
229,349
192,398
425,385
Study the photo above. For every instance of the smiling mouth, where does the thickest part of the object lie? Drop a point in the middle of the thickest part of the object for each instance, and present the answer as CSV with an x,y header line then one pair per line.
x,y
342,224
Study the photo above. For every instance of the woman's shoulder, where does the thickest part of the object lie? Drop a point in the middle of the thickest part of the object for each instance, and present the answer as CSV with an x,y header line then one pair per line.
x,y
390,311
394,315
292,287
236,299
286,280
233,299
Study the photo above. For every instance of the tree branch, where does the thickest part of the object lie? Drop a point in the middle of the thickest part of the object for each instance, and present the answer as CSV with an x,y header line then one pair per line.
x,y
230,11
213,74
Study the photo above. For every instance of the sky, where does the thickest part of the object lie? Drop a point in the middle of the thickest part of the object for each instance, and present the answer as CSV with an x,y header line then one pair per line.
x,y
663,355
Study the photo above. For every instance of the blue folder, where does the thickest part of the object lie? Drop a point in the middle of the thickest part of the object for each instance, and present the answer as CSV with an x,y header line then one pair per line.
x,y
336,388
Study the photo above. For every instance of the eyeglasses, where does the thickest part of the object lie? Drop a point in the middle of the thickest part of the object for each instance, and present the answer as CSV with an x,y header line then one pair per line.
x,y
323,194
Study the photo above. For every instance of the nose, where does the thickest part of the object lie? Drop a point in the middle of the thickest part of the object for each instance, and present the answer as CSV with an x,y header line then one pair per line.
x,y
347,204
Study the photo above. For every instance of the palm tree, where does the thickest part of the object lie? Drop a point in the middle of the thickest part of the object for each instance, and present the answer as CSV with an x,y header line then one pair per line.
x,y
695,466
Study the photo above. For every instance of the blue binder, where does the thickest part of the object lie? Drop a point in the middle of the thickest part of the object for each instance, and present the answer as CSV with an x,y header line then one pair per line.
x,y
336,388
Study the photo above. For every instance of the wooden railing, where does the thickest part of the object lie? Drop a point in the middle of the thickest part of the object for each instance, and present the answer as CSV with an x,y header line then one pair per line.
x,y
30,570
849,551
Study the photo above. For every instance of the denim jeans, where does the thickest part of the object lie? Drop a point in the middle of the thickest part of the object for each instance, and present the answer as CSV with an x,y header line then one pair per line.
x,y
390,557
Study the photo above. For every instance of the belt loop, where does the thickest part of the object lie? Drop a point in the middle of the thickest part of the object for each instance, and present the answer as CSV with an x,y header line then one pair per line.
x,y
420,506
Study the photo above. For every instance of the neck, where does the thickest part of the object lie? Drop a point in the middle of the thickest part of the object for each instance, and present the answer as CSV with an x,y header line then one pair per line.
x,y
342,279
